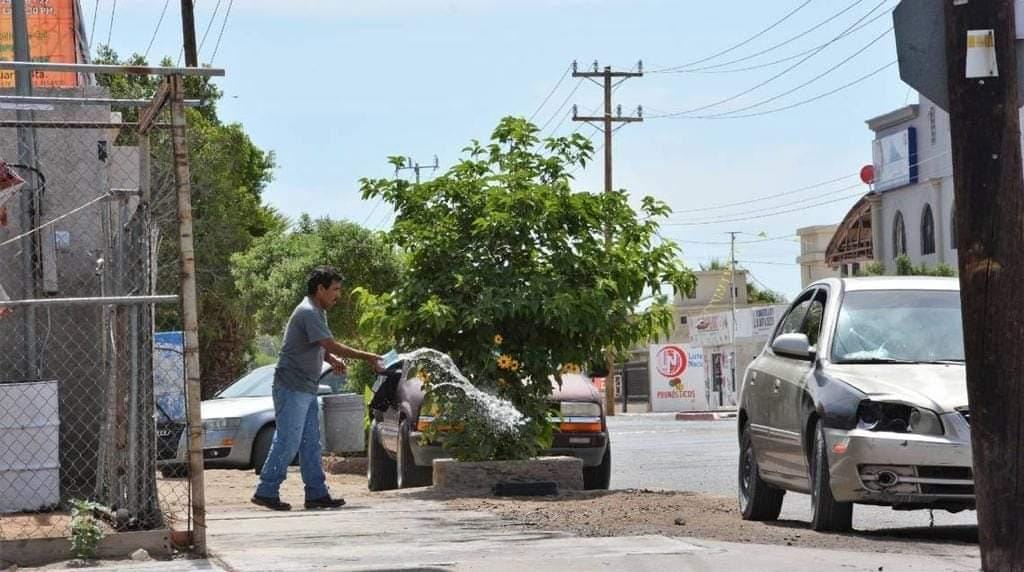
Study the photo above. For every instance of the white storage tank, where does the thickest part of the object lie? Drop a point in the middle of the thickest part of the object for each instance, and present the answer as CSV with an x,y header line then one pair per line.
x,y
29,446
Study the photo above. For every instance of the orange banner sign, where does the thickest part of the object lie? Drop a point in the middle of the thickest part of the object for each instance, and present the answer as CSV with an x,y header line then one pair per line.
x,y
51,30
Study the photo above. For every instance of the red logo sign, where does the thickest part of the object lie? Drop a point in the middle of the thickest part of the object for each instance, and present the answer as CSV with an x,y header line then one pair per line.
x,y
671,361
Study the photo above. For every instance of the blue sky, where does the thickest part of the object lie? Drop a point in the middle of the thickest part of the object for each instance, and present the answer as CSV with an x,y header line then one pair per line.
x,y
334,87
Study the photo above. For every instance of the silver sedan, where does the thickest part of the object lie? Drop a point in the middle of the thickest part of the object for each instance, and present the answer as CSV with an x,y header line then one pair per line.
x,y
860,397
238,424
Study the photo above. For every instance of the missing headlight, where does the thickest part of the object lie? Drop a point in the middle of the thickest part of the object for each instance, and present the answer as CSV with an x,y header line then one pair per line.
x,y
897,418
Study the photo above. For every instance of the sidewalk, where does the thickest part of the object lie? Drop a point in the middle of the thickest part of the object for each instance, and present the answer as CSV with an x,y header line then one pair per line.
x,y
401,532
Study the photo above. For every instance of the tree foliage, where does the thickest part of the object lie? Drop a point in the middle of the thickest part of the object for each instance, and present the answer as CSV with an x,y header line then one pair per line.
x,y
509,270
272,273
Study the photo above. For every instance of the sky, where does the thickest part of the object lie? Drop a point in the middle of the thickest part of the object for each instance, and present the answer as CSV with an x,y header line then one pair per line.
x,y
334,87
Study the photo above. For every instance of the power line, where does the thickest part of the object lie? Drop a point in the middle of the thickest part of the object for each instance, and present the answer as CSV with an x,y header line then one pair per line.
x,y
772,78
765,214
810,100
773,47
718,70
157,30
808,82
223,25
741,44
563,105
209,24
550,93
92,29
110,31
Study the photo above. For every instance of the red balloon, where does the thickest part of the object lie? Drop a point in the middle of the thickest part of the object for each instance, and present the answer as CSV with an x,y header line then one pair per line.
x,y
867,174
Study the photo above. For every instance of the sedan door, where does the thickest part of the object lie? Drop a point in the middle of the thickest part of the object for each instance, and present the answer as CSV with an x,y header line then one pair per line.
x,y
772,435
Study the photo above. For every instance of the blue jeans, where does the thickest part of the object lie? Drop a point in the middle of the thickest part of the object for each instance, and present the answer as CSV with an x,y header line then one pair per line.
x,y
298,431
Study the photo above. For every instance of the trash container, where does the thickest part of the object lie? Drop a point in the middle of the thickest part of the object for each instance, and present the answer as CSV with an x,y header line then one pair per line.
x,y
343,423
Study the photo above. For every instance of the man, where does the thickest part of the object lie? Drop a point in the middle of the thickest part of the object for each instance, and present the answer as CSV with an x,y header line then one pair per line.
x,y
308,342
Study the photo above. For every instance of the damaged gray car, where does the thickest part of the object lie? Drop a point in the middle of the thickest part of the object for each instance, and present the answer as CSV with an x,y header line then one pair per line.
x,y
860,397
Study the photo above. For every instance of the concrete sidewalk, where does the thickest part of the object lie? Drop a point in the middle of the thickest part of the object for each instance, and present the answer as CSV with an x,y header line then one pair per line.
x,y
397,531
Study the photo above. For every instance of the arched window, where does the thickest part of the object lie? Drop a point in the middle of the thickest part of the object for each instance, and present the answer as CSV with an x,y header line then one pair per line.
x,y
952,228
927,230
899,236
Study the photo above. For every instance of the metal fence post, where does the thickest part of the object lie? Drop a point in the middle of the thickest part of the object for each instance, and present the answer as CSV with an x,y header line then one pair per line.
x,y
182,178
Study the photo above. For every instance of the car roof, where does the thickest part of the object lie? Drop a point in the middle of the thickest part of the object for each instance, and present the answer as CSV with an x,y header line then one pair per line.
x,y
892,283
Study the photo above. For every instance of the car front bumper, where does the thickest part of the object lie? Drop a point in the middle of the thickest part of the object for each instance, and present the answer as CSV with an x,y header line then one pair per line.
x,y
228,449
588,447
903,470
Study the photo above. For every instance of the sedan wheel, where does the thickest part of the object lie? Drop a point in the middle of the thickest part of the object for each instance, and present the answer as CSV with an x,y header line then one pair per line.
x,y
828,514
758,499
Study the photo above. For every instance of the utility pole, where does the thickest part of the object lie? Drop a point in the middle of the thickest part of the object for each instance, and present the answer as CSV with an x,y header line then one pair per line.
x,y
188,28
29,197
608,76
986,145
732,297
416,167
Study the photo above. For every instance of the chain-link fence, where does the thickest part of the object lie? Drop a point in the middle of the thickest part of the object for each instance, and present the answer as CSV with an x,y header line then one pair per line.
x,y
93,330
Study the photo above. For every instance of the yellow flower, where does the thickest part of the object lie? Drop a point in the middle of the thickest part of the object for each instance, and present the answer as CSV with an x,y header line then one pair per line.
x,y
502,383
514,366
505,361
498,339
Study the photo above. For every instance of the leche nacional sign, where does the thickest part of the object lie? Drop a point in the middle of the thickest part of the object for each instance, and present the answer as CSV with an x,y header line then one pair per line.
x,y
677,378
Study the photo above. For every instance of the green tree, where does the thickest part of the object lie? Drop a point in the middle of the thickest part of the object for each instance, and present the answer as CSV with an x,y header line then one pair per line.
x,y
229,174
509,273
906,267
272,274
756,295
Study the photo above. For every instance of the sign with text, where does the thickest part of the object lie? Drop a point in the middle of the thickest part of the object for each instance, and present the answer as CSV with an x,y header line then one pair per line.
x,y
712,330
895,160
51,31
677,378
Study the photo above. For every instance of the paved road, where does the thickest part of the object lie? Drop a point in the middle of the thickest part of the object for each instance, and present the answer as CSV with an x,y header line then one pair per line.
x,y
655,451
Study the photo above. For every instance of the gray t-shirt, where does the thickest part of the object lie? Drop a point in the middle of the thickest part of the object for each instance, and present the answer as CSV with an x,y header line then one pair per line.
x,y
302,359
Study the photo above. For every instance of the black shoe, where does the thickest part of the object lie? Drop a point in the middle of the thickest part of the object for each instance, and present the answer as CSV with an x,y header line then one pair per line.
x,y
325,502
273,503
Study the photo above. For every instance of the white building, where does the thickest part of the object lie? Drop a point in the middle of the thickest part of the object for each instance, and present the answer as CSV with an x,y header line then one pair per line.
x,y
910,209
814,241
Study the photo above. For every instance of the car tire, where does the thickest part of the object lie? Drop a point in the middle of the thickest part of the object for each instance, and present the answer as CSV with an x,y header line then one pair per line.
x,y
174,471
381,470
759,501
828,515
261,447
599,477
408,473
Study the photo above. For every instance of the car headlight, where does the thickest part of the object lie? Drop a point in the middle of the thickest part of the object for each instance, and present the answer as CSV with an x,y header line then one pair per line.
x,y
897,418
221,424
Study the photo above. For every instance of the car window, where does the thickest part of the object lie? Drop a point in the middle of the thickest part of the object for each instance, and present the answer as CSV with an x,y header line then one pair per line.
x,y
815,315
257,383
794,319
878,326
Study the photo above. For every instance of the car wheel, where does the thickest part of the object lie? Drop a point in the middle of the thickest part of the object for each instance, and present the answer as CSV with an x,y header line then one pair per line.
x,y
599,477
380,469
409,474
827,513
261,447
174,471
758,500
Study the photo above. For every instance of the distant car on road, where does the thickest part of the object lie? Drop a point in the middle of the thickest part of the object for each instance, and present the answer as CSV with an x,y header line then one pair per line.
x,y
859,397
398,459
238,423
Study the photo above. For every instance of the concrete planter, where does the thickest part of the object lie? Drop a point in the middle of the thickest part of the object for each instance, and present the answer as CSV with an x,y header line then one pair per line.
x,y
480,478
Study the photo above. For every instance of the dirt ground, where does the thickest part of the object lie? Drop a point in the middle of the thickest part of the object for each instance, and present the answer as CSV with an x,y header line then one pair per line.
x,y
618,513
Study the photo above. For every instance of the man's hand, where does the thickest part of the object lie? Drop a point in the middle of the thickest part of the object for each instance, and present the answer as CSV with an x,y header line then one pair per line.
x,y
339,366
376,363
5,311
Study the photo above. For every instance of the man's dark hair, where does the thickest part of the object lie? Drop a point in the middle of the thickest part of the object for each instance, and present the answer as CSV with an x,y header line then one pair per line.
x,y
321,276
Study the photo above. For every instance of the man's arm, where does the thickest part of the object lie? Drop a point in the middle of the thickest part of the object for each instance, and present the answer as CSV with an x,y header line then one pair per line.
x,y
332,347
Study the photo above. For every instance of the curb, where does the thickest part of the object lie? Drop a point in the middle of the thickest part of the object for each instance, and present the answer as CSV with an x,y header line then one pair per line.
x,y
705,415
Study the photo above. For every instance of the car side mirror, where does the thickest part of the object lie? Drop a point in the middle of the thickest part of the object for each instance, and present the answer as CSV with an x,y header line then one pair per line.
x,y
795,346
324,390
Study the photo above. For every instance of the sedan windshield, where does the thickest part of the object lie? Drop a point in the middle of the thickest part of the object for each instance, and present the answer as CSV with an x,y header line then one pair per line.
x,y
899,326
257,383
